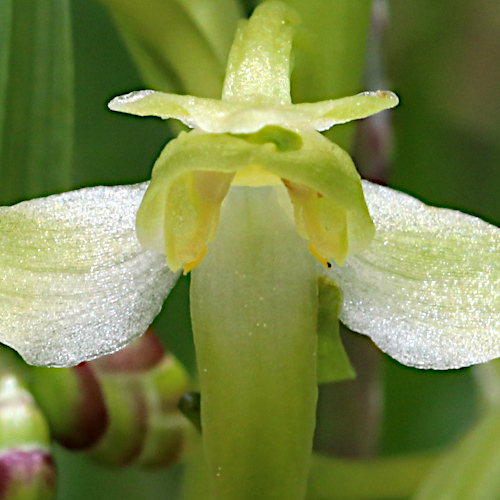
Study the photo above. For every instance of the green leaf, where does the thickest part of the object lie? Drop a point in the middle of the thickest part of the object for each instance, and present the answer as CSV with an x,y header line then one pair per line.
x,y
330,53
218,29
156,72
389,478
333,363
5,35
36,96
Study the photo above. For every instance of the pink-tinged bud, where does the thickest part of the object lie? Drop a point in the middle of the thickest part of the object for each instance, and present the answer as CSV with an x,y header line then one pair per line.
x,y
141,386
27,475
165,437
26,467
127,413
139,356
72,401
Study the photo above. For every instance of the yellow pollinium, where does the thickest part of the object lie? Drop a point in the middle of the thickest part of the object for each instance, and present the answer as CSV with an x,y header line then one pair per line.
x,y
321,221
193,210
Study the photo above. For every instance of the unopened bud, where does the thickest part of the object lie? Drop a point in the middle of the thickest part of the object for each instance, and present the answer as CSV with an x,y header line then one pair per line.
x,y
26,467
73,404
139,356
141,386
166,431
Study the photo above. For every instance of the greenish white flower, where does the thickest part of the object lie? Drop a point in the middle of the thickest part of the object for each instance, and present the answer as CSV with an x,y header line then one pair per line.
x,y
79,281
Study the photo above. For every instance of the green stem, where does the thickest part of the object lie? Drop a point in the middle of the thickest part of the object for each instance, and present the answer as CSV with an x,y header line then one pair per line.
x,y
254,302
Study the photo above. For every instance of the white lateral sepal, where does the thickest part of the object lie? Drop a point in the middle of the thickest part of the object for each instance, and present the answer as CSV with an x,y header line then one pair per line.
x,y
75,283
427,289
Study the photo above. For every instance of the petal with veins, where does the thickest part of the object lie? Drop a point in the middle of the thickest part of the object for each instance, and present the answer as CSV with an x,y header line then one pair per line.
x,y
75,283
427,290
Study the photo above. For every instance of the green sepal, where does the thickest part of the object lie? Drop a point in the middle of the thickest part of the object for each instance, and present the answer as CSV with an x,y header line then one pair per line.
x,y
325,114
427,289
75,283
333,362
264,41
249,116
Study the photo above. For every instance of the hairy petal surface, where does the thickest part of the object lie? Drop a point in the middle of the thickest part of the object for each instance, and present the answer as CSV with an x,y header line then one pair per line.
x,y
427,290
75,283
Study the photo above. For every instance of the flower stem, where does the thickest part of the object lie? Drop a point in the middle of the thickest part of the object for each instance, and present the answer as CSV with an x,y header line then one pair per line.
x,y
254,301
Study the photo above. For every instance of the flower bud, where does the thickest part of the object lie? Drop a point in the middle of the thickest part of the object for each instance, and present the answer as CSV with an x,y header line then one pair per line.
x,y
164,440
73,404
26,466
141,386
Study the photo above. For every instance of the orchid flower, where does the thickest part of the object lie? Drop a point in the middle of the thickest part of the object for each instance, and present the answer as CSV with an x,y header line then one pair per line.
x,y
425,289
258,205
